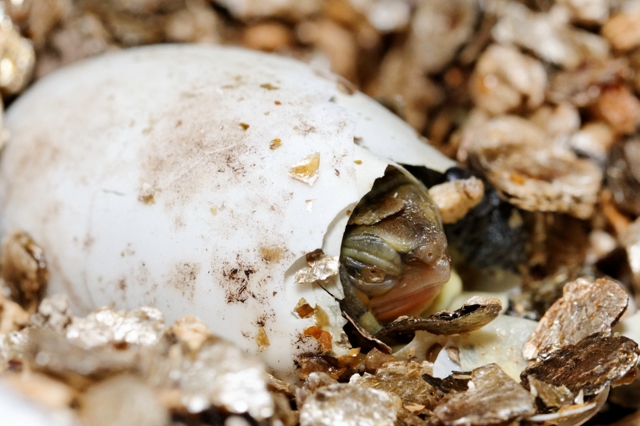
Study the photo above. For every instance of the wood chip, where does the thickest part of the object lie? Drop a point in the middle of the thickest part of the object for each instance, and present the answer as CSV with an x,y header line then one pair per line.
x,y
455,199
585,308
590,366
532,172
550,395
349,405
574,414
403,379
24,269
493,398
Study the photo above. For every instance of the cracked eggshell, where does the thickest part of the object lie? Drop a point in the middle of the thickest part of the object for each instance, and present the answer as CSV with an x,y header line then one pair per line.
x,y
164,176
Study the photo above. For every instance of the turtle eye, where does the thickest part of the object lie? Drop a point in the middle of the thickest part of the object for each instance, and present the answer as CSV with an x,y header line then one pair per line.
x,y
372,265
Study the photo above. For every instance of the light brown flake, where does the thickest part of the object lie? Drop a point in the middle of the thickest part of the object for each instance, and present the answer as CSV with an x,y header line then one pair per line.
x,y
321,268
17,58
630,240
53,312
79,36
623,176
147,194
12,316
438,29
322,336
376,358
303,309
619,107
573,414
559,121
585,308
105,327
594,139
531,172
403,379
550,395
272,254
192,332
195,23
349,405
581,86
505,79
24,269
37,18
623,29
455,199
123,400
275,144
493,398
550,39
341,367
267,36
587,11
307,169
262,339
335,42
51,353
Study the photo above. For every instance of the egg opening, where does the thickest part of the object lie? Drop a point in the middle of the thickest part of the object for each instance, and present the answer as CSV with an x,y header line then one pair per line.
x,y
394,252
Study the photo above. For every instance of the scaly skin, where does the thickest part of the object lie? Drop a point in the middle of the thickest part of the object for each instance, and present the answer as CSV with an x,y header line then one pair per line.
x,y
393,254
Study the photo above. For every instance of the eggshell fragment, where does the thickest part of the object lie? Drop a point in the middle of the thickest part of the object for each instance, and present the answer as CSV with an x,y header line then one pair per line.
x,y
149,177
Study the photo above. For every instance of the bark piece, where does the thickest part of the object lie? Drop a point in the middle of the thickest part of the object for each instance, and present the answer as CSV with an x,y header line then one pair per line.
x,y
493,398
24,269
590,366
403,379
532,172
349,405
455,199
585,308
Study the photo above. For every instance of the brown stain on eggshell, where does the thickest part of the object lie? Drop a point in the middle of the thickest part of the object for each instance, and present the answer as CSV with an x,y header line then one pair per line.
x,y
304,128
213,155
272,254
41,155
269,86
180,164
183,278
242,281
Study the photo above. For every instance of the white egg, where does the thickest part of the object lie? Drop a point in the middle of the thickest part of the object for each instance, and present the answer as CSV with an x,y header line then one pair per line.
x,y
19,410
163,176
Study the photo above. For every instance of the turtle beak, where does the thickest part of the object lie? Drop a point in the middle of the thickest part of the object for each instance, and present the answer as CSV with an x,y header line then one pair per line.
x,y
414,292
